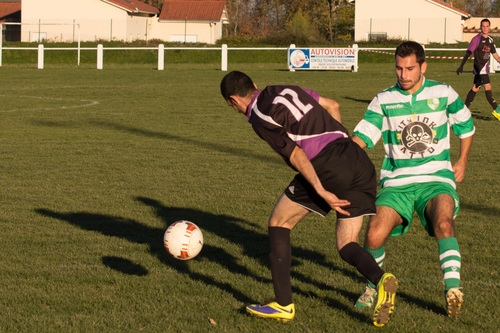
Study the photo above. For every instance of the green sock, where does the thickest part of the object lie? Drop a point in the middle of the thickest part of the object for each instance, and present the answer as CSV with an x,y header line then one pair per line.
x,y
450,260
379,255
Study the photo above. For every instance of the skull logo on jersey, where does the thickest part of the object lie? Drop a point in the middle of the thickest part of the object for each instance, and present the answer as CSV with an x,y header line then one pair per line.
x,y
417,137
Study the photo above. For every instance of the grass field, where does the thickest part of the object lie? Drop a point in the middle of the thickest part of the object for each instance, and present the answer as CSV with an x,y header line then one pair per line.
x,y
96,164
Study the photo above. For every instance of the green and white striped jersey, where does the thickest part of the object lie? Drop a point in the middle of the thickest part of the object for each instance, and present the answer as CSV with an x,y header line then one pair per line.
x,y
415,130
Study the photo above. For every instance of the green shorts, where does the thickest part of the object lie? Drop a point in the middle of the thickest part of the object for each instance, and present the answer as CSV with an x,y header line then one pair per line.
x,y
414,197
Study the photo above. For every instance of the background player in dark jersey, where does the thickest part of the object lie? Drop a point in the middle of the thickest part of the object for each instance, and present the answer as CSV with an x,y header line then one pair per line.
x,y
482,46
334,173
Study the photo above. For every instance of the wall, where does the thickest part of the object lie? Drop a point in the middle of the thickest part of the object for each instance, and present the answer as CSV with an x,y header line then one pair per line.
x,y
201,32
421,21
97,21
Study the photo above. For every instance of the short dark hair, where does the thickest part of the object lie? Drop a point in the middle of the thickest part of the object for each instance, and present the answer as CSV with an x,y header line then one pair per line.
x,y
409,48
236,83
485,20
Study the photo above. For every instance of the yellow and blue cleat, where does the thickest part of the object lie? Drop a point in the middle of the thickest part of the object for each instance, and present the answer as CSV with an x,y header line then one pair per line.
x,y
272,310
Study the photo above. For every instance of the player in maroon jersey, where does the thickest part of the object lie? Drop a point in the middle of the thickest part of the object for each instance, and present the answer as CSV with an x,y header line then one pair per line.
x,y
333,173
481,46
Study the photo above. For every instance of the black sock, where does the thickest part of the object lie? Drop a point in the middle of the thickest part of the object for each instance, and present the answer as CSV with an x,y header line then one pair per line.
x,y
491,100
281,260
470,97
358,257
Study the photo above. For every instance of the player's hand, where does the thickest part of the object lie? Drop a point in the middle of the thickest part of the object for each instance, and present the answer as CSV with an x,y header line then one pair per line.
x,y
460,70
459,170
335,202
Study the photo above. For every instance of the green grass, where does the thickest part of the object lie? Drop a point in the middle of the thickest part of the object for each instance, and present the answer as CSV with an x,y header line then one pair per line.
x,y
96,164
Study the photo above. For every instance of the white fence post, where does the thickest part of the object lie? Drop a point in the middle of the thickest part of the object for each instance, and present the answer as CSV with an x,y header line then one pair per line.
x,y
40,56
290,68
1,38
99,56
224,58
161,57
356,53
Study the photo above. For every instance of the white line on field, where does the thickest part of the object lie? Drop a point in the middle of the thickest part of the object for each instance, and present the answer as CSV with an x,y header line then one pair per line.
x,y
86,102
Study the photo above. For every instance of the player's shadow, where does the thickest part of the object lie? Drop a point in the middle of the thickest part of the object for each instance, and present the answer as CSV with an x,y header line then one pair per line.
x,y
242,152
479,115
364,101
124,265
480,209
136,232
431,306
254,243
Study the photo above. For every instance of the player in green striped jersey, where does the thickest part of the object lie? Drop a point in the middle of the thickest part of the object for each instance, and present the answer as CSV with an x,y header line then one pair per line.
x,y
414,119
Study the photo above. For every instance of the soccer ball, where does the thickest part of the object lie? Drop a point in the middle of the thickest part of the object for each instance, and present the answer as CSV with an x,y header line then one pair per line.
x,y
183,240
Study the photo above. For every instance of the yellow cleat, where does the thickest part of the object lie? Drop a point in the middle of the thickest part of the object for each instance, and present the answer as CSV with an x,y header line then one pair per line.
x,y
496,114
272,310
384,305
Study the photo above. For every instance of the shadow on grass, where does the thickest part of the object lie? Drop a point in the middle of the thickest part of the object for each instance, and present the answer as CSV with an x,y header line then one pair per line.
x,y
412,300
253,243
482,115
124,265
136,232
364,101
241,152
481,209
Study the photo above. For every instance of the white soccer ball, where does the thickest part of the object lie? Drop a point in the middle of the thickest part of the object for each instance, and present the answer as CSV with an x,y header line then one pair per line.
x,y
183,240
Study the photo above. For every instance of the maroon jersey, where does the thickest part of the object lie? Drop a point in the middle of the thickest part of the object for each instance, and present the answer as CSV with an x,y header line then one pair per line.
x,y
287,116
481,47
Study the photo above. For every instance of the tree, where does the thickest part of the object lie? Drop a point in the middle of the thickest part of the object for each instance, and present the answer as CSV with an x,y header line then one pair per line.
x,y
481,8
263,18
155,3
336,9
495,9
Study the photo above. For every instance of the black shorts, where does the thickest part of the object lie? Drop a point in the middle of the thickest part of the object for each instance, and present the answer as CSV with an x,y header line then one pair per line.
x,y
345,170
481,79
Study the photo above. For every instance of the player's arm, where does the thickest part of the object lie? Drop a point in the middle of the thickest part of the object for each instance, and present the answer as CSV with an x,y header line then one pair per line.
x,y
460,68
300,162
497,58
359,141
332,107
459,167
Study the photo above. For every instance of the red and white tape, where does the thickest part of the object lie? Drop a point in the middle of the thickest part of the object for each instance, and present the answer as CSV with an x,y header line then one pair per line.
x,y
430,57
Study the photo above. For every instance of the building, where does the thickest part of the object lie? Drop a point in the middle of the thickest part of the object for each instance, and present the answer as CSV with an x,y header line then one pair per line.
x,y
193,21
472,27
85,20
424,21
122,20
10,15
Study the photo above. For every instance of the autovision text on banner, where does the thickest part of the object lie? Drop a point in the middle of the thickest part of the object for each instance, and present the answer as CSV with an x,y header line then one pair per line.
x,y
323,58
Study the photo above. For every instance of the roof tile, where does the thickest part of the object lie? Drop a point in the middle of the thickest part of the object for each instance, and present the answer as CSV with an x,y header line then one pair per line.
x,y
134,6
193,10
7,8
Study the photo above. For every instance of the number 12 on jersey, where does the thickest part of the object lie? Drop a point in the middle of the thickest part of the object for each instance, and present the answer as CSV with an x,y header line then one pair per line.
x,y
296,107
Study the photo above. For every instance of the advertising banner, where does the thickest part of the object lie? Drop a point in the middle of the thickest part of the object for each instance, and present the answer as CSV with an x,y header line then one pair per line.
x,y
323,58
